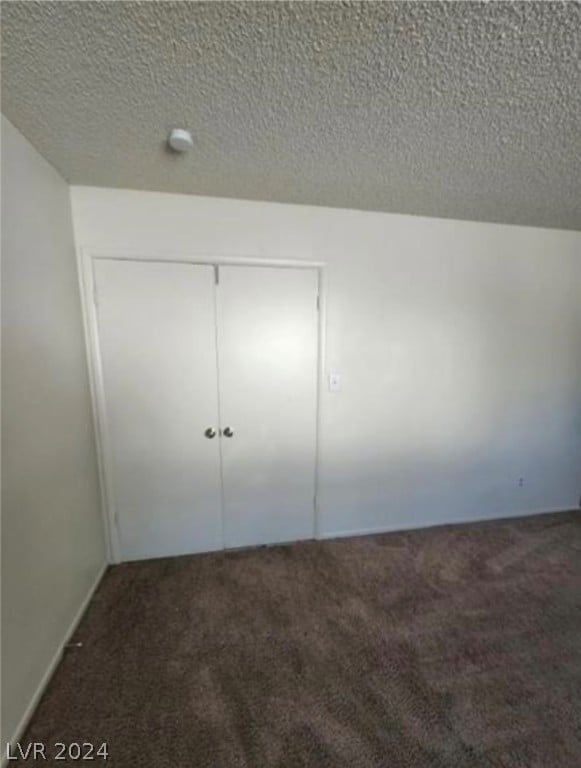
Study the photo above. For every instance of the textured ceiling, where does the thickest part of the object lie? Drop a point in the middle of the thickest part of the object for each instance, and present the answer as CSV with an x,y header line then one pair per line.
x,y
464,110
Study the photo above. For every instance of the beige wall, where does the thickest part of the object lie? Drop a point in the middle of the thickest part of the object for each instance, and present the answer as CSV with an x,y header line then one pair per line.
x,y
52,541
458,344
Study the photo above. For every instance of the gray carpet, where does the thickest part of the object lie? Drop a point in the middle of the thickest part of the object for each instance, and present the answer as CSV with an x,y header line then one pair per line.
x,y
452,647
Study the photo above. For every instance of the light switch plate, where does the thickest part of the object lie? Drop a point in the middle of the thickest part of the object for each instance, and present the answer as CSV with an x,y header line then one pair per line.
x,y
334,382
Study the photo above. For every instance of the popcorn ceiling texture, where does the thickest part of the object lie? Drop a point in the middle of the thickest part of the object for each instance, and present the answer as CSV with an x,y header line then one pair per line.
x,y
463,110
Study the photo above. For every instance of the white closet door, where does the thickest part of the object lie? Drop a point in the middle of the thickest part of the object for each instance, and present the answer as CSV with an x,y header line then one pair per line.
x,y
158,351
268,342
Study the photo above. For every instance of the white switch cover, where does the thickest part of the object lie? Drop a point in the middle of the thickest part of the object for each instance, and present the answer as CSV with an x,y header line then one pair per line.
x,y
334,382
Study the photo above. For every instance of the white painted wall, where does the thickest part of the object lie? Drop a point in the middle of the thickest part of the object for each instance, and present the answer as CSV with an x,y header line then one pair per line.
x,y
52,540
459,344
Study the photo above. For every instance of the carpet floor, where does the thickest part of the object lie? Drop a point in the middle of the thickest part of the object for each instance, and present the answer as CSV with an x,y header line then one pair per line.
x,y
442,648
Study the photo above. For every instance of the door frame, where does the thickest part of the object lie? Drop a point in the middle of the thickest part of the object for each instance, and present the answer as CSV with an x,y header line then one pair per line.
x,y
86,258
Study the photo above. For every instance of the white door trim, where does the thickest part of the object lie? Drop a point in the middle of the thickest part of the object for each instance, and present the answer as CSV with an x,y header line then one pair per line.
x,y
85,261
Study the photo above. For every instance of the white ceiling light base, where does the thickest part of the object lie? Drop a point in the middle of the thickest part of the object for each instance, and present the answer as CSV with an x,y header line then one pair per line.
x,y
180,140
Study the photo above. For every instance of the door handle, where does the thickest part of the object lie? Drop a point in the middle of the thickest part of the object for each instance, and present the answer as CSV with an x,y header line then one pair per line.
x,y
210,433
228,432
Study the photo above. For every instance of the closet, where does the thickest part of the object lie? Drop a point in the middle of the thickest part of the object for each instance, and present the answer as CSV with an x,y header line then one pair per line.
x,y
208,378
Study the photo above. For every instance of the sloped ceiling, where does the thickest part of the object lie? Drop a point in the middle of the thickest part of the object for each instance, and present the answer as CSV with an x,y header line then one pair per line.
x,y
466,110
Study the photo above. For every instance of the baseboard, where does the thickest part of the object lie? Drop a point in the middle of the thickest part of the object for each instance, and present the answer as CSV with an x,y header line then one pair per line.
x,y
415,525
24,720
325,535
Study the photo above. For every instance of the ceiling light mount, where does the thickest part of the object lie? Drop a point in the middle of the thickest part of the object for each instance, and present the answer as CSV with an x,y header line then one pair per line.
x,y
180,140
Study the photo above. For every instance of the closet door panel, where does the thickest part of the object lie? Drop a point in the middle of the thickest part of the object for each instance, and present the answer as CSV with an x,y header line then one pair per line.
x,y
268,347
157,343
